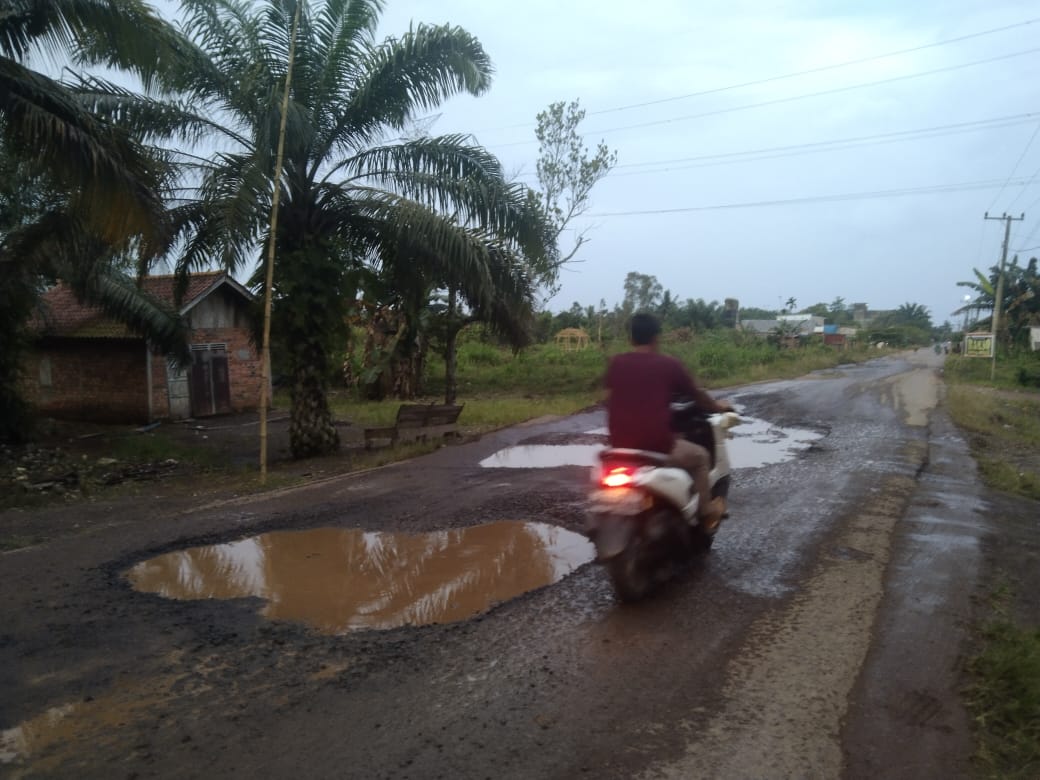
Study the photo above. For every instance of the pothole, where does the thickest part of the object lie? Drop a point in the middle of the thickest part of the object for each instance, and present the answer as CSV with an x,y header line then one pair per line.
x,y
339,580
752,444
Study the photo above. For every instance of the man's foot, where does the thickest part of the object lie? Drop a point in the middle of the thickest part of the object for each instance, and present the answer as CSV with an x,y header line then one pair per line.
x,y
711,515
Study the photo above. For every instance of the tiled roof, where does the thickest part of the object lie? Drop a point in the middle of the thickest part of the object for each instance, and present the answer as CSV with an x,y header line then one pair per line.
x,y
162,286
63,315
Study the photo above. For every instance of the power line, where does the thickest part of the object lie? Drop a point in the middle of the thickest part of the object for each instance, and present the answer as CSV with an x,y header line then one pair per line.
x,y
795,74
830,146
791,98
846,196
1036,227
1000,121
1014,170
821,69
1032,178
836,144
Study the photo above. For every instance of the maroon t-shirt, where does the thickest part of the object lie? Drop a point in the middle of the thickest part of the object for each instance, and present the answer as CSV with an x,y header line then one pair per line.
x,y
642,385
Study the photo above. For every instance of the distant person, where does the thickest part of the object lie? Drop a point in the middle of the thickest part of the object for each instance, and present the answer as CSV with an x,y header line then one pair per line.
x,y
642,384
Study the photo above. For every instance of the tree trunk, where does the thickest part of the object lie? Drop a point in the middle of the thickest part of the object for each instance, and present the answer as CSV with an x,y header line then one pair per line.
x,y
311,430
451,358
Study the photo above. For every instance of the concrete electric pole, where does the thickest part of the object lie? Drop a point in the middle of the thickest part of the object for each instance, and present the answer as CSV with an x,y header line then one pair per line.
x,y
1000,284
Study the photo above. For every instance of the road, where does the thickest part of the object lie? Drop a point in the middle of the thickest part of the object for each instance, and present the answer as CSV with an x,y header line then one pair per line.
x,y
821,638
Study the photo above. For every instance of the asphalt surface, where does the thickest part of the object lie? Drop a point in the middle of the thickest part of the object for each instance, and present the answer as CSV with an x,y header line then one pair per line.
x,y
822,637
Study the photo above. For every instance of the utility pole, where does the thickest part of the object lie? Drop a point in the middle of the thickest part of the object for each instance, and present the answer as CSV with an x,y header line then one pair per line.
x,y
998,300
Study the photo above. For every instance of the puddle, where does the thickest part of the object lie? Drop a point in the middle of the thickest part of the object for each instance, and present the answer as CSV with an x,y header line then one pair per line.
x,y
753,444
543,456
340,580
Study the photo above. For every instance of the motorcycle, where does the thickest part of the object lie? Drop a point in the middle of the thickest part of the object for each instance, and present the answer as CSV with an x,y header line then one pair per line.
x,y
642,513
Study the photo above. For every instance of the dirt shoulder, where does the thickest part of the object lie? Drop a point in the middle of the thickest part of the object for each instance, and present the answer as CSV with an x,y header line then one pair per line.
x,y
76,477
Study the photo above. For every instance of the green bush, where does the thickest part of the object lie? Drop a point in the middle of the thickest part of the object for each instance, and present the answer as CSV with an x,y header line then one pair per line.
x,y
475,353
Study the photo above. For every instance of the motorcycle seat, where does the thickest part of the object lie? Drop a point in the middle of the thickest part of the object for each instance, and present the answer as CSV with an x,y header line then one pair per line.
x,y
640,456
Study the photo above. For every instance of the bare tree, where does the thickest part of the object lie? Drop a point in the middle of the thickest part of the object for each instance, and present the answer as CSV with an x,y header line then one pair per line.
x,y
566,172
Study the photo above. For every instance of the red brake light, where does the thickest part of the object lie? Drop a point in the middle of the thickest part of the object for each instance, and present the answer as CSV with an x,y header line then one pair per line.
x,y
619,476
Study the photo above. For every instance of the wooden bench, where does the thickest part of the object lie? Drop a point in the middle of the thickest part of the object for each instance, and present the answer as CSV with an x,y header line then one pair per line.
x,y
417,422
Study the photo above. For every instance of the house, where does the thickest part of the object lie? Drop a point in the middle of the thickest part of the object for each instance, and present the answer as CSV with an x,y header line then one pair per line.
x,y
791,325
86,366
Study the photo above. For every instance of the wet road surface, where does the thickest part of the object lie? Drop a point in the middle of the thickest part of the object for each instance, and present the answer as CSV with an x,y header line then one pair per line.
x,y
820,638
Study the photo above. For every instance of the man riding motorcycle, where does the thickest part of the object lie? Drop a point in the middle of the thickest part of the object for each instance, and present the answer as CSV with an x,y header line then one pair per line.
x,y
642,384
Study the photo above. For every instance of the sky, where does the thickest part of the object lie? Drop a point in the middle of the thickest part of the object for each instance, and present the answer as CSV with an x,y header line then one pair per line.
x,y
765,226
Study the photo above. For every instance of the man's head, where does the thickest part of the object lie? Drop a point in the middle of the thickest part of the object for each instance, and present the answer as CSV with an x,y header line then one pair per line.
x,y
644,329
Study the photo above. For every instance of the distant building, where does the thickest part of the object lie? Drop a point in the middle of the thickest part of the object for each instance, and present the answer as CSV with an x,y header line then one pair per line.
x,y
795,324
864,317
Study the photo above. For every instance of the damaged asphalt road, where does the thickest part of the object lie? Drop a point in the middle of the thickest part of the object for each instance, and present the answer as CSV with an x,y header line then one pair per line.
x,y
820,638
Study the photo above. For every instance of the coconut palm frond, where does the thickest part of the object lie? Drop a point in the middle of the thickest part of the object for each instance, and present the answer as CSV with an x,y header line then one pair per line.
x,y
340,28
388,84
450,157
149,119
115,177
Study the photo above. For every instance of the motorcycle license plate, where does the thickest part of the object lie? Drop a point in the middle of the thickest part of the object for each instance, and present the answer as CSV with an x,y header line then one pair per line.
x,y
620,502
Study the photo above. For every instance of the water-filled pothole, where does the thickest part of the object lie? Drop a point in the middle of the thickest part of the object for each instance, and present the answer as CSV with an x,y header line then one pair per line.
x,y
752,444
339,580
756,443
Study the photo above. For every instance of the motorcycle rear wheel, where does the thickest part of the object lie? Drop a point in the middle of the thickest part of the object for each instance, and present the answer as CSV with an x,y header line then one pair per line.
x,y
631,579
702,540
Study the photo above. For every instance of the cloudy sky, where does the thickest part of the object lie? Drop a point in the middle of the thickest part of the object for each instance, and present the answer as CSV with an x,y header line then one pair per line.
x,y
736,178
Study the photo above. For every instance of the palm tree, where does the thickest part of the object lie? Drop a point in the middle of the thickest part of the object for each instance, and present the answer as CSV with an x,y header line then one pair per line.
x,y
79,195
107,175
913,314
354,195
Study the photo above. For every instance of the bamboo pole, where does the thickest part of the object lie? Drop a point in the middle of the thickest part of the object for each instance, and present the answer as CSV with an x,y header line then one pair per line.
x,y
265,386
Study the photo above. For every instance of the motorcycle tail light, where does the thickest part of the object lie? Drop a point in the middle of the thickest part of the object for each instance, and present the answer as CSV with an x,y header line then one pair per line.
x,y
618,476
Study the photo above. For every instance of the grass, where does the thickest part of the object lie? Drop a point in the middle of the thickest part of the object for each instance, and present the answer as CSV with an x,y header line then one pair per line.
x,y
1002,418
1004,696
156,447
1004,425
1020,371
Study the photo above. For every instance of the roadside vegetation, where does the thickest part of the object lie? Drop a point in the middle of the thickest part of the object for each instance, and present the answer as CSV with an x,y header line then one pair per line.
x,y
1002,421
500,388
1004,696
1001,417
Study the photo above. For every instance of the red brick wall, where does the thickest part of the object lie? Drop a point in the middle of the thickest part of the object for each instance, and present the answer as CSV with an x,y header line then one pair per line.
x,y
103,380
245,372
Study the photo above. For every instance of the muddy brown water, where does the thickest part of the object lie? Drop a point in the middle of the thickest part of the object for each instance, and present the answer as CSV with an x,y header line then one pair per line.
x,y
339,580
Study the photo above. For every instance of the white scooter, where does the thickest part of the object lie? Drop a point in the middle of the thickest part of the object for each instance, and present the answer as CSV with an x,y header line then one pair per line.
x,y
643,510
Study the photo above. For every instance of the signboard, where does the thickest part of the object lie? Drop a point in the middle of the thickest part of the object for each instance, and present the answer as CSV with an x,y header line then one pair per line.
x,y
978,345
